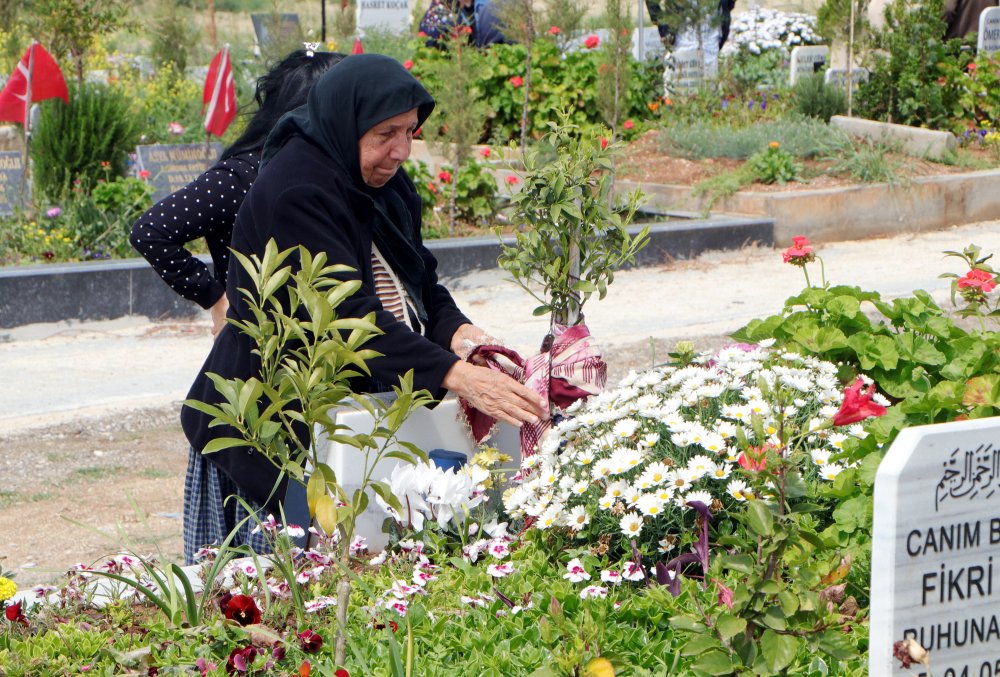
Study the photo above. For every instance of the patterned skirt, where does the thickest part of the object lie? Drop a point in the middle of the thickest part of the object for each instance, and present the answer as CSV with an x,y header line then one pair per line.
x,y
210,512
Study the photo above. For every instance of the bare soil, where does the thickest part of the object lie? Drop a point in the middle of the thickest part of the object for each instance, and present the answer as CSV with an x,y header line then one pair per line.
x,y
647,161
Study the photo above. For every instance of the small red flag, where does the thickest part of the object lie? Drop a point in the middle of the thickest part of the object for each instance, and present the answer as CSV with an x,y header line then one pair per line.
x,y
220,94
358,49
46,82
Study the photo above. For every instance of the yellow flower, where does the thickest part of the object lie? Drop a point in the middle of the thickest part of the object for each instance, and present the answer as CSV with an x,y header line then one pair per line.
x,y
7,588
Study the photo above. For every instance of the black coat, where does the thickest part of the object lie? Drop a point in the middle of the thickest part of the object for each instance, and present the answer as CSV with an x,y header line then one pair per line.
x,y
302,197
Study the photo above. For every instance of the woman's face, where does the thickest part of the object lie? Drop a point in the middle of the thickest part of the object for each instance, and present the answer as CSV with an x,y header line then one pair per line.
x,y
385,147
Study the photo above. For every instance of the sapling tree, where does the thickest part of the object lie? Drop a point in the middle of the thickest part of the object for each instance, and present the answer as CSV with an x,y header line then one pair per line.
x,y
520,24
460,108
309,355
572,234
615,67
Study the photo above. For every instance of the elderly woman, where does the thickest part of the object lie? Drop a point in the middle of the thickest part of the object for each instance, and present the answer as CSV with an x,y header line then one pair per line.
x,y
331,181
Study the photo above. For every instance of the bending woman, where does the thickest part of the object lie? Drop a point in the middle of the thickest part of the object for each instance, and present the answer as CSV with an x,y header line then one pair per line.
x,y
331,181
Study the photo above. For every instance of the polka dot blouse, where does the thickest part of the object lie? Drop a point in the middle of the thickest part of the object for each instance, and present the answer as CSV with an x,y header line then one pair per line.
x,y
207,208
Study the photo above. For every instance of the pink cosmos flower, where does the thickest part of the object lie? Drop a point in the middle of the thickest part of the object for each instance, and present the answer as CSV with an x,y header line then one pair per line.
x,y
591,41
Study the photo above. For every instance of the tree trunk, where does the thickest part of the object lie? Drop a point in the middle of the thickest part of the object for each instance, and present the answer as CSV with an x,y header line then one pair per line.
x,y
213,35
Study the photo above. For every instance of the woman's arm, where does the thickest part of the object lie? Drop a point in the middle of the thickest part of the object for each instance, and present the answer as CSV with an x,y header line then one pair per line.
x,y
204,208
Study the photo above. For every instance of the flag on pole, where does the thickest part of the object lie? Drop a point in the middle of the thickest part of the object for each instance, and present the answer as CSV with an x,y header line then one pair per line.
x,y
220,94
358,49
37,77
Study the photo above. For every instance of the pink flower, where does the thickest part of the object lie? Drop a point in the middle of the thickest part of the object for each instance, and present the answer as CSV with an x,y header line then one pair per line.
x,y
144,175
54,212
594,592
511,180
725,594
858,405
485,152
500,570
591,41
754,458
575,573
800,253
516,81
628,124
554,30
175,128
408,64
444,176
978,279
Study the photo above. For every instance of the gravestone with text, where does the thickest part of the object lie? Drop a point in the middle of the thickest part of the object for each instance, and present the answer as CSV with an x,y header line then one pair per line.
x,y
838,77
936,550
11,182
384,15
171,167
806,61
688,71
989,31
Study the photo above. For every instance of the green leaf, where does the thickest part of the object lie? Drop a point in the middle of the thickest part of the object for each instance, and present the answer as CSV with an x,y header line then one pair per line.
x,y
220,443
759,518
742,563
699,644
713,663
728,626
778,650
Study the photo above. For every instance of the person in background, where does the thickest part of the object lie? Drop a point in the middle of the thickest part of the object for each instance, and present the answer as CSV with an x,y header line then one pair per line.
x,y
444,16
962,16
207,208
331,181
660,9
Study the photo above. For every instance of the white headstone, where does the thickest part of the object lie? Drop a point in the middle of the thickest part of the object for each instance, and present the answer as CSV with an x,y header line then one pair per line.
x,y
838,76
385,15
688,72
936,550
806,61
989,31
652,46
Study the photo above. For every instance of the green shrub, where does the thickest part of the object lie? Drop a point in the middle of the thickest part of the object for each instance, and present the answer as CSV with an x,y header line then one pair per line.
x,y
72,141
816,99
801,137
866,161
773,165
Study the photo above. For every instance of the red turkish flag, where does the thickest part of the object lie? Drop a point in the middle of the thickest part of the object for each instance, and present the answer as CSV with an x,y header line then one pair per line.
x,y
220,94
46,82
358,49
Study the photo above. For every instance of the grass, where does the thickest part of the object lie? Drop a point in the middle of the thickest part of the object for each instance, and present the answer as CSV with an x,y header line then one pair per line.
x,y
9,499
97,472
802,137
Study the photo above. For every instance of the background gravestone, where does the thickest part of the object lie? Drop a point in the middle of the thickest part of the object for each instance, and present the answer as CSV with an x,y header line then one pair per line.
x,y
806,61
171,167
936,550
277,32
838,77
688,71
384,15
989,31
11,174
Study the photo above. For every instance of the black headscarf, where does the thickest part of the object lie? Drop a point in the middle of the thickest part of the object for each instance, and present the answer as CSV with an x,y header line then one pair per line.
x,y
347,101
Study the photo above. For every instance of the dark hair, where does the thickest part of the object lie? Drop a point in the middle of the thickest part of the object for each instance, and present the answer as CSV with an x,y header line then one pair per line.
x,y
281,89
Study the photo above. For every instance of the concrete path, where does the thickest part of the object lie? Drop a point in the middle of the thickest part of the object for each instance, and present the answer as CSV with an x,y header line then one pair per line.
x,y
55,373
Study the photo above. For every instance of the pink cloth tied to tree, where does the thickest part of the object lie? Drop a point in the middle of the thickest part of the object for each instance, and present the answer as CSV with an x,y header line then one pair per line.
x,y
572,369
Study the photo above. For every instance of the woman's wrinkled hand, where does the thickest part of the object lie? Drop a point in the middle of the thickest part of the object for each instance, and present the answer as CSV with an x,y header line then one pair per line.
x,y
468,337
495,394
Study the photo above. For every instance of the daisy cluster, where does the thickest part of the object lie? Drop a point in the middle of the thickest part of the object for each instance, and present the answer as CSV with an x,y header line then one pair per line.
x,y
760,29
630,461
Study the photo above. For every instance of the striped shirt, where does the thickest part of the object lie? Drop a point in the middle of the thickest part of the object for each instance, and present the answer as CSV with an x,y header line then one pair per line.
x,y
388,289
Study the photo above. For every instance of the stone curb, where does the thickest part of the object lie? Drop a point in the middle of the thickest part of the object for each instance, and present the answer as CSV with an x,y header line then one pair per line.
x,y
103,290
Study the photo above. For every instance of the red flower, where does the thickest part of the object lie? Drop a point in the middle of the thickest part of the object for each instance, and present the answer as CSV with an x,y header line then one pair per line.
x,y
628,124
408,64
857,405
444,176
754,458
511,180
485,152
725,594
341,672
516,81
242,609
144,174
240,659
421,34
15,615
800,253
309,641
971,67
978,279
604,143
591,41
554,30
431,187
